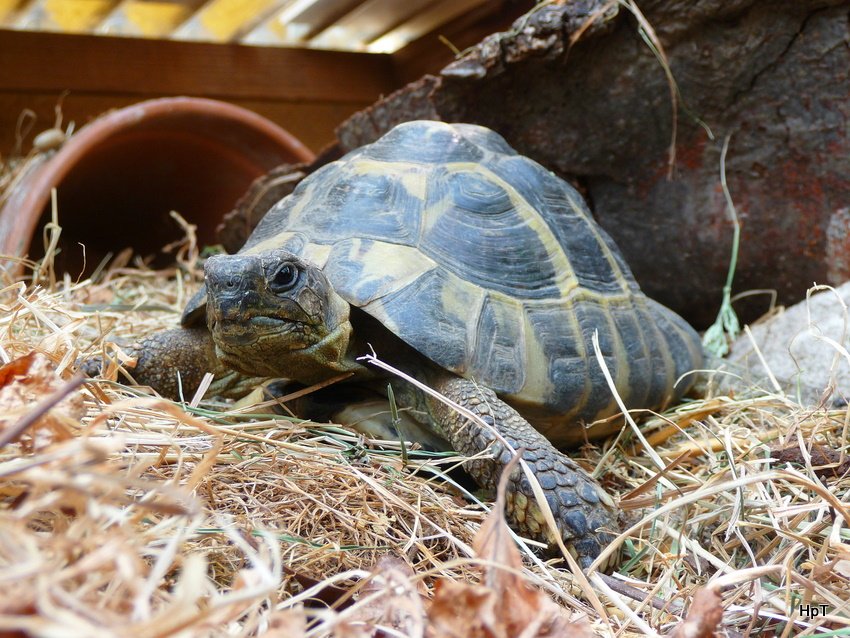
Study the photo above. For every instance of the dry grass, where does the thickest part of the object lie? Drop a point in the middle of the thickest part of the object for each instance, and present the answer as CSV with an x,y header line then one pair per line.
x,y
123,514
137,488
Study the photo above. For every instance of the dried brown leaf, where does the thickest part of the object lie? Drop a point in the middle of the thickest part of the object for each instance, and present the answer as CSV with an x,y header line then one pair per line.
x,y
494,544
835,569
389,600
703,617
506,605
826,462
463,610
24,384
287,623
15,369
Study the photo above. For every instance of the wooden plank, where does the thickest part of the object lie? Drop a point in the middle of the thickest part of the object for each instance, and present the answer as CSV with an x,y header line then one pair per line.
x,y
318,14
147,18
311,122
367,22
224,20
9,9
435,16
299,20
80,16
55,62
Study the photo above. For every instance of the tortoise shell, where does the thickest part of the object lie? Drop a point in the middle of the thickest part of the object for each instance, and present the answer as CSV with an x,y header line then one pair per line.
x,y
489,265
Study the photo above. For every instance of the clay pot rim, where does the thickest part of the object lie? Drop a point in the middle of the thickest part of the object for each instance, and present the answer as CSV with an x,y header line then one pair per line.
x,y
108,124
16,234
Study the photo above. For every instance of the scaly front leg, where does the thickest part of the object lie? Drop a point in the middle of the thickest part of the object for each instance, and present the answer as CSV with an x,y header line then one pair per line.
x,y
585,514
187,351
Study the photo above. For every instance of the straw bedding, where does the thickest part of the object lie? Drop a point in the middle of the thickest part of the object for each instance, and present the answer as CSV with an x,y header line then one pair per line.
x,y
125,514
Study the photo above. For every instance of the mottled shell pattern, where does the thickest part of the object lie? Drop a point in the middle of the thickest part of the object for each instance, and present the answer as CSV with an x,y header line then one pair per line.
x,y
489,265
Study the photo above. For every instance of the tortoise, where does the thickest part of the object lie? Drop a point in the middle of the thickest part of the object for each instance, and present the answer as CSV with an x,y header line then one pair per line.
x,y
472,269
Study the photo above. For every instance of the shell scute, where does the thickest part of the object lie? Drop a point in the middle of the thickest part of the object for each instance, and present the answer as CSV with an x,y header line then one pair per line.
x,y
593,317
499,347
421,303
362,265
477,234
374,206
489,265
426,143
637,354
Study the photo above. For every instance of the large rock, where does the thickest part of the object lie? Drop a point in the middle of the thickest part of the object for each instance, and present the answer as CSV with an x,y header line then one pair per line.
x,y
805,349
773,74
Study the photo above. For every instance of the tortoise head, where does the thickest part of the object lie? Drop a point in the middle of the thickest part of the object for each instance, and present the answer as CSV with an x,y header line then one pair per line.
x,y
274,314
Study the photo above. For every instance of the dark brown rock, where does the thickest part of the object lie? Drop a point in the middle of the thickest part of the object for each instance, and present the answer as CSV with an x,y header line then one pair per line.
x,y
263,193
266,191
772,73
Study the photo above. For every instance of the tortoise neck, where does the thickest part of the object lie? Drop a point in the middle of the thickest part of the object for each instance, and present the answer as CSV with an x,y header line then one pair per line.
x,y
337,351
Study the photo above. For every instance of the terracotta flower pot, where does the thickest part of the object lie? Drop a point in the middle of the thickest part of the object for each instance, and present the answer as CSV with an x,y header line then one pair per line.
x,y
118,178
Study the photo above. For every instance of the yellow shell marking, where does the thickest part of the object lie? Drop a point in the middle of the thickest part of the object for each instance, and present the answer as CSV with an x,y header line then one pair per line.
x,y
538,383
408,265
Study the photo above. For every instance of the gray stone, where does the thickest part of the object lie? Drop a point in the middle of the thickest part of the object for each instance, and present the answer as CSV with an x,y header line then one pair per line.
x,y
800,346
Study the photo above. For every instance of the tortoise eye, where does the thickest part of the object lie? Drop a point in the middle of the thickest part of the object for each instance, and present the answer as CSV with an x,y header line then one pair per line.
x,y
284,279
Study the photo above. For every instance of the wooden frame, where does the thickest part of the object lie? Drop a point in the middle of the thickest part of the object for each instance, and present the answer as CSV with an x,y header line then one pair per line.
x,y
57,62
307,91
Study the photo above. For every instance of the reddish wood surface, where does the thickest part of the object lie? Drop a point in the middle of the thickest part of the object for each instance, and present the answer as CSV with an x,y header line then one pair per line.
x,y
48,61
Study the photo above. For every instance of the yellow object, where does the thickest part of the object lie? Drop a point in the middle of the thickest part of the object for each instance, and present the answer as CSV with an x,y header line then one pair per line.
x,y
224,20
8,9
79,16
149,18
438,13
376,26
